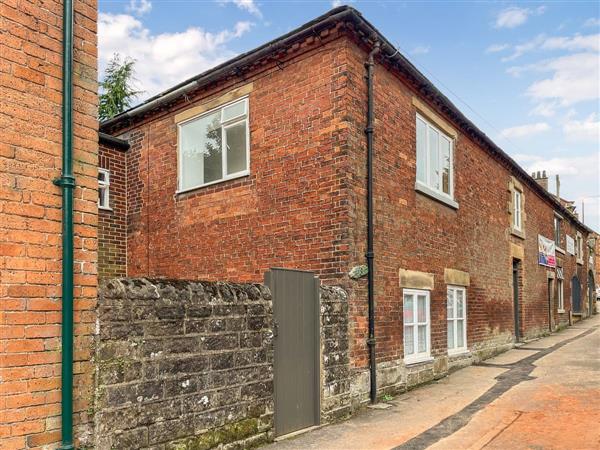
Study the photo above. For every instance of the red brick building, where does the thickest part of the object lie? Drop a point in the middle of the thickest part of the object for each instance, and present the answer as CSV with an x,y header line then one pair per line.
x,y
31,251
261,162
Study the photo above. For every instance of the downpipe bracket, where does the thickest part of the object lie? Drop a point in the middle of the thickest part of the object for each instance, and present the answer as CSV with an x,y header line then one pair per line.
x,y
66,181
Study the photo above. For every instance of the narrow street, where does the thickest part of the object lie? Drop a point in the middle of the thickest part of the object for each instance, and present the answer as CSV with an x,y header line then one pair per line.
x,y
542,395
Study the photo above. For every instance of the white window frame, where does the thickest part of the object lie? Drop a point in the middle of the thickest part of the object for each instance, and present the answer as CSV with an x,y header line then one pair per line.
x,y
579,248
427,186
104,190
560,294
454,289
517,209
417,357
242,118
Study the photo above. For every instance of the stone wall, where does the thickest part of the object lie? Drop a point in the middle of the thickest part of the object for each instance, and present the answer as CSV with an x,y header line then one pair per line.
x,y
182,364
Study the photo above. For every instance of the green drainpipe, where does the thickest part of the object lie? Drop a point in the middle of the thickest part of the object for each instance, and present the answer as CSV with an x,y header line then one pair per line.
x,y
67,184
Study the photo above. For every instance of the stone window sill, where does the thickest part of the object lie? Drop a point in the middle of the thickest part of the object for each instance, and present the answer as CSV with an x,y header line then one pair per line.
x,y
560,250
518,233
431,193
421,360
459,352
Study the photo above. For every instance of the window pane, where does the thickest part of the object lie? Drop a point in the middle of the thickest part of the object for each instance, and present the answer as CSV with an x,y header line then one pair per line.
x,y
408,308
460,327
102,196
409,345
434,159
422,309
200,146
422,345
450,303
445,155
235,110
460,304
236,148
450,334
102,177
421,151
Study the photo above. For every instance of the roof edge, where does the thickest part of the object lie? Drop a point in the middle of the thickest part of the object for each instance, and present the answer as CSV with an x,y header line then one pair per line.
x,y
120,144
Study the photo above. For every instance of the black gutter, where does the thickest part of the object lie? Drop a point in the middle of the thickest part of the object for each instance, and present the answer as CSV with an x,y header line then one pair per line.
x,y
107,139
370,255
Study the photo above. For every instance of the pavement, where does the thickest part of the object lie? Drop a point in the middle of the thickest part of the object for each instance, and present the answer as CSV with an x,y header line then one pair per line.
x,y
540,396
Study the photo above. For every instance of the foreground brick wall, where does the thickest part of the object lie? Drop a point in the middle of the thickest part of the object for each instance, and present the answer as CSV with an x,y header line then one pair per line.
x,y
190,364
30,217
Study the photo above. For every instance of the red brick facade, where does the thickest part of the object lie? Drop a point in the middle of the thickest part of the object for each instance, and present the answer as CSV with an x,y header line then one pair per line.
x,y
30,218
303,205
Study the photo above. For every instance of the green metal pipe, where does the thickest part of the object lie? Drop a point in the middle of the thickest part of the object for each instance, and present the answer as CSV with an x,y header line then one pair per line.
x,y
67,184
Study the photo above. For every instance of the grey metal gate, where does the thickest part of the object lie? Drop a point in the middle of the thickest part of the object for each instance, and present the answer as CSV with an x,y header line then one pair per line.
x,y
297,348
576,294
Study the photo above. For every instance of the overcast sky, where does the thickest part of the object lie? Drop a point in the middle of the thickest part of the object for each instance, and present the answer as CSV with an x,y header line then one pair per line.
x,y
527,73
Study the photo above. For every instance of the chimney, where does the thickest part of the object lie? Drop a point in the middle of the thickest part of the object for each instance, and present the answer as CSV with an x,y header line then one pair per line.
x,y
541,178
557,186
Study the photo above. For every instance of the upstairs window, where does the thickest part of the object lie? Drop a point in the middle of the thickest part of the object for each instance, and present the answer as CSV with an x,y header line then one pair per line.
x,y
214,146
579,248
434,159
103,189
557,227
517,210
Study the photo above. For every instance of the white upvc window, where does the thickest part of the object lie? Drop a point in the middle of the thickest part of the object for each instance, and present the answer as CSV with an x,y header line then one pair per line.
x,y
557,230
417,345
561,298
434,159
517,210
214,146
457,319
579,248
103,189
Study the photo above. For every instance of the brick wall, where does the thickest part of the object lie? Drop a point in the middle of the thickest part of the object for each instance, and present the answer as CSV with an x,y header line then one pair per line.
x,y
190,364
30,217
416,232
238,229
112,222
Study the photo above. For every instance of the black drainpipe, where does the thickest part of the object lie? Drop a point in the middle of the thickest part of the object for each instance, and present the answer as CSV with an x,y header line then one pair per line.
x,y
369,64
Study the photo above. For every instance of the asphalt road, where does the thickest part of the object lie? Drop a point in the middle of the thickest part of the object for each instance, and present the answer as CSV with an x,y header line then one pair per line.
x,y
541,396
